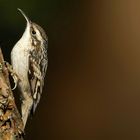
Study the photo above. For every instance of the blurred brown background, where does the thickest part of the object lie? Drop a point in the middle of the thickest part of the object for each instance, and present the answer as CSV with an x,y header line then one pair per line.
x,y
92,89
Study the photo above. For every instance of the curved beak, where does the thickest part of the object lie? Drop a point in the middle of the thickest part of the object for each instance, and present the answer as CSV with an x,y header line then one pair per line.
x,y
27,19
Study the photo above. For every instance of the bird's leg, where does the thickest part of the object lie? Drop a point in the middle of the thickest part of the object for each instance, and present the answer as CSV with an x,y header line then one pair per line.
x,y
13,74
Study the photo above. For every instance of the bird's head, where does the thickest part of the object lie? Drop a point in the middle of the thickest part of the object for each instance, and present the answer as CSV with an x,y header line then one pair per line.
x,y
33,33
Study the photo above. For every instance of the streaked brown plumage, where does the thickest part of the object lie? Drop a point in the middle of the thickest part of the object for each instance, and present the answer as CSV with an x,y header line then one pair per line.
x,y
29,61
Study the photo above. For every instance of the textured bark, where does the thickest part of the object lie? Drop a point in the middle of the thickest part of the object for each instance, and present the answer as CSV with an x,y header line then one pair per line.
x,y
11,125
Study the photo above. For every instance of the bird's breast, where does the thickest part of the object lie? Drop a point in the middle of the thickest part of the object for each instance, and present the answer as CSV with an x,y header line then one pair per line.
x,y
20,60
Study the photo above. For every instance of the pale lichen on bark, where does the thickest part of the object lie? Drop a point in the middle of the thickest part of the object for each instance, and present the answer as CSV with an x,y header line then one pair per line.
x,y
11,125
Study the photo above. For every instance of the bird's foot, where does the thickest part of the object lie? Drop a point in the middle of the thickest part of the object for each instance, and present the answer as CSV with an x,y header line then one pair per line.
x,y
13,74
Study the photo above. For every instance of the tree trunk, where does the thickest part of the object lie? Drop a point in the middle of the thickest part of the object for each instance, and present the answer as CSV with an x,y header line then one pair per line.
x,y
11,125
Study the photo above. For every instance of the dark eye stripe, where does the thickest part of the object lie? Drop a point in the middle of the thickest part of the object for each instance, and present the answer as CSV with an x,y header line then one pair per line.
x,y
33,32
41,30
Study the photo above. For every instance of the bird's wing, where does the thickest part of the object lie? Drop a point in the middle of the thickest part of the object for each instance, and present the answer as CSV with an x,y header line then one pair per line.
x,y
37,69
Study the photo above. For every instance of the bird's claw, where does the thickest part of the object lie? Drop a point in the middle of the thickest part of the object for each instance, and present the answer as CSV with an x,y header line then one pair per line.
x,y
15,81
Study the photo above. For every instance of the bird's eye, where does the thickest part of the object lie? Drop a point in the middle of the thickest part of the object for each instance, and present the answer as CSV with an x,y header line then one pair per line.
x,y
33,32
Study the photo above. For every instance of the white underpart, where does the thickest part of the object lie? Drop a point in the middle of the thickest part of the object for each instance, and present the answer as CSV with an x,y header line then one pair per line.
x,y
20,63
21,54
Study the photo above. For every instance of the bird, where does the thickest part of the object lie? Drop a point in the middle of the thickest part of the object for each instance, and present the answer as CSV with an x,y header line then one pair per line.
x,y
29,59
